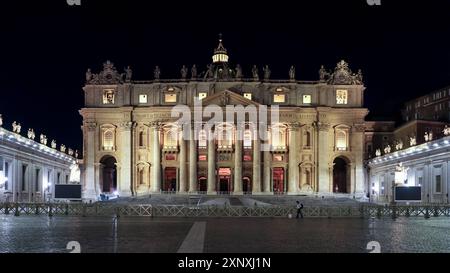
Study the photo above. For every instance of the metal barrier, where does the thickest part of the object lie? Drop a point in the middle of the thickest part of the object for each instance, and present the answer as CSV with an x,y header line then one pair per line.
x,y
395,211
146,210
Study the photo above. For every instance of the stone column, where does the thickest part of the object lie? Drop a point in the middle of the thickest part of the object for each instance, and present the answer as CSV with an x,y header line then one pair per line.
x,y
124,187
256,188
183,167
323,167
357,148
292,165
192,161
238,167
156,168
89,191
267,164
211,164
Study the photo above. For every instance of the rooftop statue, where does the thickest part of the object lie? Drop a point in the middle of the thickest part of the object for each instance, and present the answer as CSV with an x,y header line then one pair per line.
x,y
387,150
323,74
194,72
255,73
412,141
209,71
238,72
31,135
53,144
16,127
184,72
128,74
157,73
89,76
378,152
267,72
446,131
292,73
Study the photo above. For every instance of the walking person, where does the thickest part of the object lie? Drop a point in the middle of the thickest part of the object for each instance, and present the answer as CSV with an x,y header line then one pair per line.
x,y
299,210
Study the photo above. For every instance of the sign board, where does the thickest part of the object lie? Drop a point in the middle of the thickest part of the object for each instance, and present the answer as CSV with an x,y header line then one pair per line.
x,y
408,194
71,192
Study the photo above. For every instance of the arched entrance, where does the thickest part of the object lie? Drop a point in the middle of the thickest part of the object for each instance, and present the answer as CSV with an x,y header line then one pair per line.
x,y
246,184
202,184
340,176
109,174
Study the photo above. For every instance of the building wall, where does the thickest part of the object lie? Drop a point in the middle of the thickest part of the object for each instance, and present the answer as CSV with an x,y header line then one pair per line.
x,y
30,170
139,128
423,163
434,106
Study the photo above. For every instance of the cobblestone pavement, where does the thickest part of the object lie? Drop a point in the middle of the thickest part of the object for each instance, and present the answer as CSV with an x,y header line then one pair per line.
x,y
32,234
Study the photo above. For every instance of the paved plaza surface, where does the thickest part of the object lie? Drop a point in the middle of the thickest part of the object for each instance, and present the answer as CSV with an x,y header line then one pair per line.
x,y
42,234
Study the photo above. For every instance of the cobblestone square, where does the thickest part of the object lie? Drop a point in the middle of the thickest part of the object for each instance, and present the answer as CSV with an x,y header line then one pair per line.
x,y
40,234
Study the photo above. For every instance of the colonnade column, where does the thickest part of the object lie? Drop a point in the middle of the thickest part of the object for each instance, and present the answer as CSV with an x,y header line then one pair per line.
x,y
256,188
183,169
238,167
267,164
89,178
293,167
192,161
323,166
211,164
156,183
124,184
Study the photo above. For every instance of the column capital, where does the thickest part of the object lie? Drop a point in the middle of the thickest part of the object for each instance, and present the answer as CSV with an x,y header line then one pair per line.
x,y
91,126
127,125
158,125
294,126
360,128
322,126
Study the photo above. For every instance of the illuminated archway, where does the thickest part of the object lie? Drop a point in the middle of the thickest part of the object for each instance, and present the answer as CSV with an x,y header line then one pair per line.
x,y
341,175
108,174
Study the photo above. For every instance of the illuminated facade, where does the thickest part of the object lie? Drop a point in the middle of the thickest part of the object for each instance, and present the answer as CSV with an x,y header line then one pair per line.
x,y
133,145
29,169
426,165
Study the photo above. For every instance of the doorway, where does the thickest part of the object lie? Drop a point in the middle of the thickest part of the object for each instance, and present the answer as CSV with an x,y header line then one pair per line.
x,y
225,180
278,180
109,174
340,175
170,179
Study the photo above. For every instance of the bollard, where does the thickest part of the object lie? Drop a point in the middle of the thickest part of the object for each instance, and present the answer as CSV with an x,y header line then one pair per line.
x,y
36,209
50,211
436,211
427,213
394,212
17,212
407,212
66,212
7,209
84,209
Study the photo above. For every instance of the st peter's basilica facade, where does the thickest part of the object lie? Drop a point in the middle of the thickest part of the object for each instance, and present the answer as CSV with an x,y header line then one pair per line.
x,y
135,145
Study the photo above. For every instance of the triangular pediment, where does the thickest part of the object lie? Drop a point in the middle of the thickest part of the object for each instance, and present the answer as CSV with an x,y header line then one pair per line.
x,y
228,97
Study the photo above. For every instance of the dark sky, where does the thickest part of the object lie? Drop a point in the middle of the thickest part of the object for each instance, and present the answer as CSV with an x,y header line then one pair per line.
x,y
46,47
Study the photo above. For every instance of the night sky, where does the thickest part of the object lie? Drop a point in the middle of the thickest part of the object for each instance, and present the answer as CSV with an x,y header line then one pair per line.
x,y
47,46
